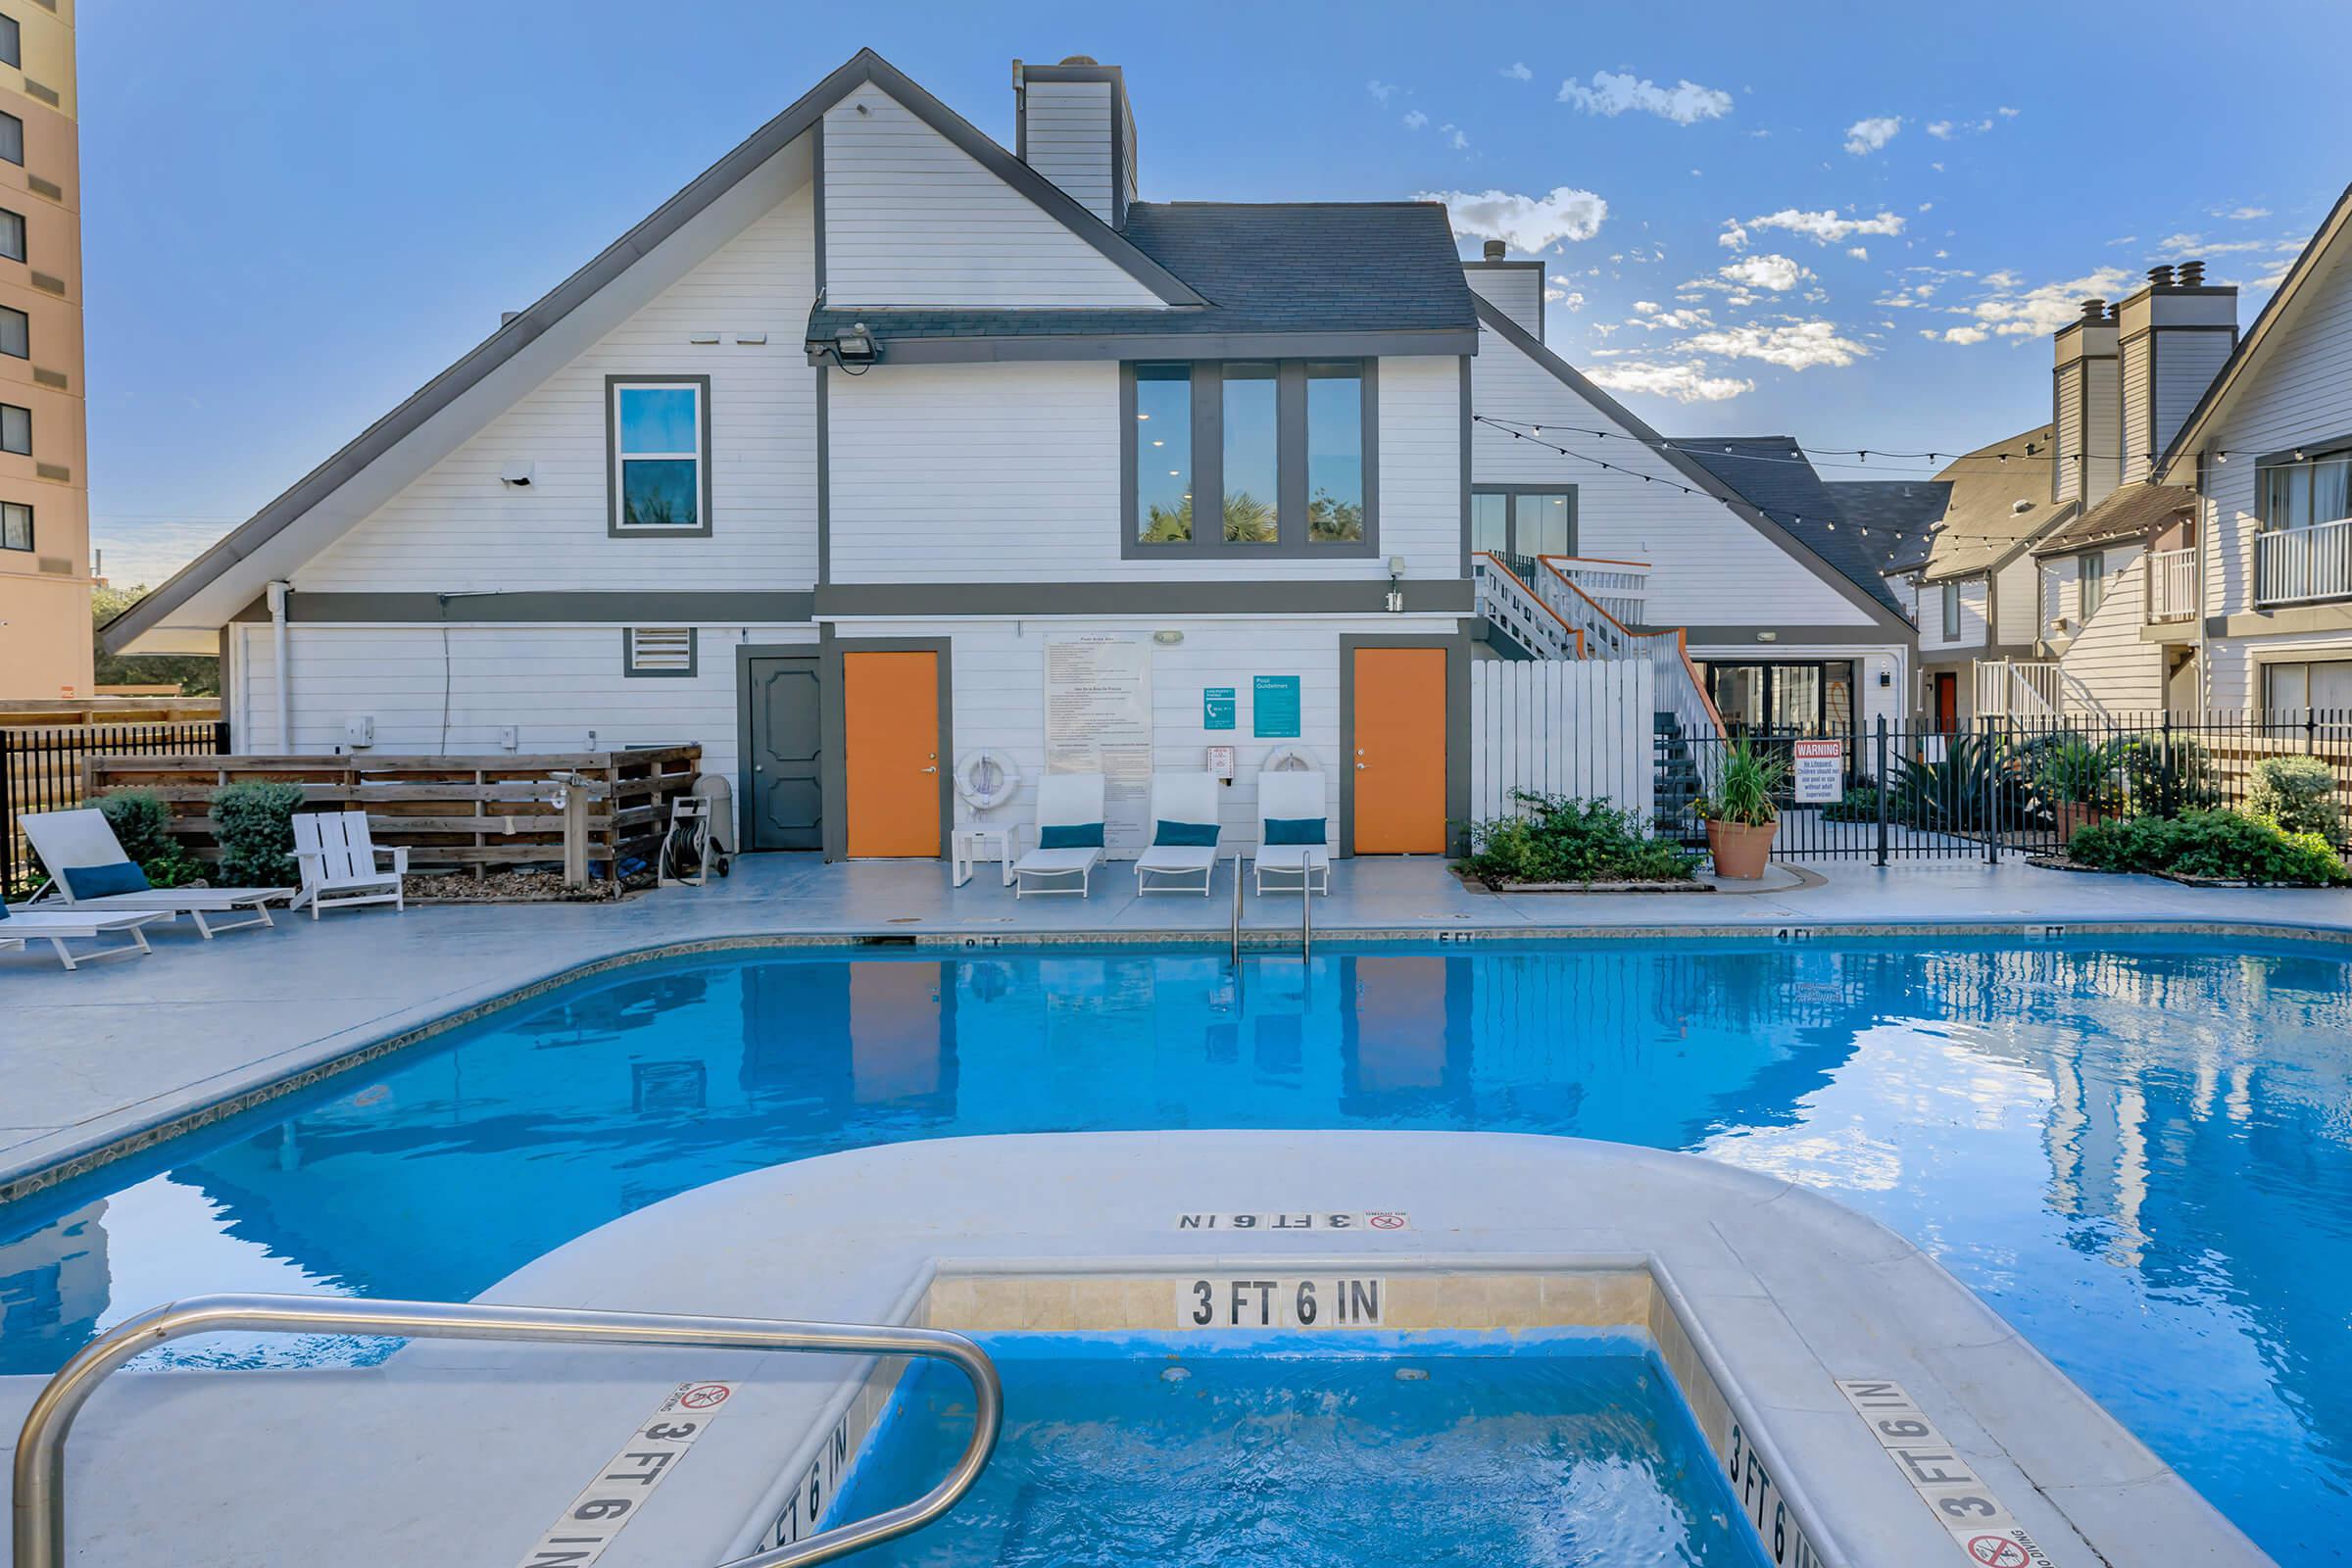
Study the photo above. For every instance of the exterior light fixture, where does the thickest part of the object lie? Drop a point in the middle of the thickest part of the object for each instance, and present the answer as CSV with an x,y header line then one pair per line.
x,y
1395,585
1167,639
855,345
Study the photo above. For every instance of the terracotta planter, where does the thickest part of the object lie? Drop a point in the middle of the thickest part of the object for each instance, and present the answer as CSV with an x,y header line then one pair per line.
x,y
1741,852
2073,815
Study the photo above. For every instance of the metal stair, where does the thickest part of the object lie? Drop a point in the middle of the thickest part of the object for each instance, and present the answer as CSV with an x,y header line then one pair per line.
x,y
1678,784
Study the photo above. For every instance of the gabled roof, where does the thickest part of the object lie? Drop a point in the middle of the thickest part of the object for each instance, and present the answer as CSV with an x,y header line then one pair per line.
x,y
521,330
1898,514
1285,267
2000,504
1773,472
2318,253
2131,512
1881,607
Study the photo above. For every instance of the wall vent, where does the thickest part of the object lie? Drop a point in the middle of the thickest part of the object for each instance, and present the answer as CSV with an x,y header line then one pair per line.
x,y
34,89
659,649
54,285
55,379
44,188
57,566
51,470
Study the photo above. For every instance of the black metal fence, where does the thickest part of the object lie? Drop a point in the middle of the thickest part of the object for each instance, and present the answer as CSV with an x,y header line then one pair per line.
x,y
40,770
2018,785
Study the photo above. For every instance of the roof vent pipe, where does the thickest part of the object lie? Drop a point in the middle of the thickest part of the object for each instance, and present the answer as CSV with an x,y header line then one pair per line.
x,y
2094,310
2160,276
2191,274
1494,250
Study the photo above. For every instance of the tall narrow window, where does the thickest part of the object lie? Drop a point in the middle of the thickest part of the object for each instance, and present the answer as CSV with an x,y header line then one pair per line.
x,y
661,479
1335,453
1951,612
1491,523
12,234
1546,522
12,42
2093,569
15,429
15,333
16,526
1163,454
12,139
1252,455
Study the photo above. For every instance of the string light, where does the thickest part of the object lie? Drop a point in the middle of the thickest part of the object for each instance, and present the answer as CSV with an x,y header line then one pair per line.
x,y
1862,455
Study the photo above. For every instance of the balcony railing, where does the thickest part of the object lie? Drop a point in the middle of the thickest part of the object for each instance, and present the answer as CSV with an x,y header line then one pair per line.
x,y
1619,587
2292,566
2172,584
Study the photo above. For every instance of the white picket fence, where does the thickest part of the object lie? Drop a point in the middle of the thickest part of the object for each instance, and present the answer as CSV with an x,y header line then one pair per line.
x,y
1553,726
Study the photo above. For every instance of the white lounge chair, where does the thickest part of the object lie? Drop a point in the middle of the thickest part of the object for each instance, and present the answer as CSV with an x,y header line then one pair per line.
x,y
338,864
1293,798
1068,806
83,855
1181,801
24,925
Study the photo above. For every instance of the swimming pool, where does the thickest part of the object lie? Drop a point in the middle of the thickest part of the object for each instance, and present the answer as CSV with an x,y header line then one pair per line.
x,y
2140,1153
1572,1450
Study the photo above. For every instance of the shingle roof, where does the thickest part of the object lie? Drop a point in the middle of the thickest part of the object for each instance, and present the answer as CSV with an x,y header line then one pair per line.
x,y
1983,523
1283,267
1772,472
1900,515
2130,511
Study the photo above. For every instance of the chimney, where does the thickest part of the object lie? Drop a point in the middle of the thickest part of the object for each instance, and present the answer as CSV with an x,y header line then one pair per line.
x,y
1495,250
1072,125
1515,289
2084,408
2173,336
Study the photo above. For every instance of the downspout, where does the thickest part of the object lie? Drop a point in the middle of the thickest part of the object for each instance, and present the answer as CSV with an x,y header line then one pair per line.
x,y
285,674
2204,656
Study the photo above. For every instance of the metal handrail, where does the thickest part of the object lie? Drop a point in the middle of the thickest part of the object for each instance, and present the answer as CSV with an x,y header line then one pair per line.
x,y
1306,912
1237,911
39,1508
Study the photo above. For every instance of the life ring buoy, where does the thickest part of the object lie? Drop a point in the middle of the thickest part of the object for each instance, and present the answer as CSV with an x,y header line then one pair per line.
x,y
1289,759
986,777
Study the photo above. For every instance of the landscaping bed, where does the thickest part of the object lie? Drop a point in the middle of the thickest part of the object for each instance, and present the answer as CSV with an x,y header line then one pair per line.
x,y
2206,848
519,885
1558,843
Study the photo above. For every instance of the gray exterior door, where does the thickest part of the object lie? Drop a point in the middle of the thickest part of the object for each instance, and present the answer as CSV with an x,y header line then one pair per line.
x,y
787,808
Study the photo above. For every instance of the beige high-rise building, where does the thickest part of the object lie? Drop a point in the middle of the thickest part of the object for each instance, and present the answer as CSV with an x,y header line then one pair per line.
x,y
44,485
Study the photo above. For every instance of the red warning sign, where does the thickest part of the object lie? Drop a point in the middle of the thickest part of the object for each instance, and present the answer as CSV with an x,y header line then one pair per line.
x,y
1997,1552
703,1396
1386,1222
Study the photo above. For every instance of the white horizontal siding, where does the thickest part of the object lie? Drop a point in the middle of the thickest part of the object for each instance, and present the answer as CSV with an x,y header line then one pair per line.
x,y
2185,366
2106,655
911,218
1516,291
1973,607
2067,422
2015,611
457,527
1710,566
1067,138
556,684
2140,389
1010,473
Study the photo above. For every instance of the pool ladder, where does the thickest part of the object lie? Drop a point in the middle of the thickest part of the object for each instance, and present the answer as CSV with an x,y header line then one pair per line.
x,y
39,1509
1307,915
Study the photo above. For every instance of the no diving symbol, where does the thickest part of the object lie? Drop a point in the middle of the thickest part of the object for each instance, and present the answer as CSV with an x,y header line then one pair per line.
x,y
1385,1222
1996,1551
710,1395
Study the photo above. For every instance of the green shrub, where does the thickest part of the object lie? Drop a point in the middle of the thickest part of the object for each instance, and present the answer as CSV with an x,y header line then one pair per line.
x,y
2226,845
1974,778
2165,777
2298,794
1859,803
142,825
255,824
1562,839
1745,791
2072,770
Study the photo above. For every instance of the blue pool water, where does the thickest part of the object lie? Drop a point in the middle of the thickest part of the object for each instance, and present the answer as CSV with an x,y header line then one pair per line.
x,y
2142,1155
1575,1453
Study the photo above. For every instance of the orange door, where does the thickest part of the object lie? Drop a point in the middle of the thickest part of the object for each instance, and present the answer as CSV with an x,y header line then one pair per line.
x,y
1400,751
890,729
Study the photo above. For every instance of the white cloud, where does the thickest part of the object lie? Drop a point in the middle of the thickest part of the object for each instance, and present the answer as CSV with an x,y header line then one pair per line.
x,y
1860,253
1517,71
1381,91
1955,334
2008,112
1767,270
1415,120
1689,319
1826,227
1523,222
1940,130
2241,214
1865,136
1455,138
1683,383
1792,345
1733,237
1564,296
1648,307
1613,93
2014,311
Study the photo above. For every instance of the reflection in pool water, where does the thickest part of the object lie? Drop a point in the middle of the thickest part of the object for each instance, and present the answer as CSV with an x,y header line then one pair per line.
x,y
2142,1155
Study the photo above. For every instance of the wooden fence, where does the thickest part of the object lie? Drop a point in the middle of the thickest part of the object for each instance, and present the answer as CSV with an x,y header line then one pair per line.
x,y
480,812
1555,726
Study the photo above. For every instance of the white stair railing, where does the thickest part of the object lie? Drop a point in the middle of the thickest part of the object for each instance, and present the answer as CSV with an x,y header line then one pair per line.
x,y
1509,603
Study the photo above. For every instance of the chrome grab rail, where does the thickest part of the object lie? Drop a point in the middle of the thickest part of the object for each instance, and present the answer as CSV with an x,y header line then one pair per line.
x,y
1237,911
1306,913
39,1507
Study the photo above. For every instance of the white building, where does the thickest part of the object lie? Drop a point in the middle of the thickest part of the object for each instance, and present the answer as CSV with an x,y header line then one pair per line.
x,y
877,444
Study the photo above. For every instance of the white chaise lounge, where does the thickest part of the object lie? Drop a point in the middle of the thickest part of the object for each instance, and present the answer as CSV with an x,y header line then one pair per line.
x,y
1291,806
24,925
89,872
339,868
1184,835
1069,835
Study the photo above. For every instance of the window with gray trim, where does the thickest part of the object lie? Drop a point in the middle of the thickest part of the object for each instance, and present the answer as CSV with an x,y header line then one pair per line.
x,y
12,139
1951,612
2302,489
1521,521
16,526
15,333
12,234
2091,572
12,41
1288,447
15,429
658,436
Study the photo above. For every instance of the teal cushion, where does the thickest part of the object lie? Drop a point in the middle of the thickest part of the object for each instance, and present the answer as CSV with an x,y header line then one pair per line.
x,y
97,881
1185,835
1295,830
3,908
1070,836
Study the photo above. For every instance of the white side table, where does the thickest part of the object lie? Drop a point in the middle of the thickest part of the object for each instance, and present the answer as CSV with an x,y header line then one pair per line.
x,y
972,842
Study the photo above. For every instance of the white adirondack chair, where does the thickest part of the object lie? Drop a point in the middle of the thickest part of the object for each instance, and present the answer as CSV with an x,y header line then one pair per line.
x,y
23,925
1191,800
339,862
1068,801
1292,796
72,843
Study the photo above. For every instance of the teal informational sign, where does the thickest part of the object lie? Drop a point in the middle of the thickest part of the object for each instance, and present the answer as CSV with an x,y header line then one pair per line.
x,y
1274,708
1218,705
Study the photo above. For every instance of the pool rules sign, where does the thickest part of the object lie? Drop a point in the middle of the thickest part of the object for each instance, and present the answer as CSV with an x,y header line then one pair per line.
x,y
1820,769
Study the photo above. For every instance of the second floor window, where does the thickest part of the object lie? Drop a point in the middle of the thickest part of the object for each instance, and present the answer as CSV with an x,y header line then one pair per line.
x,y
15,429
1523,521
1951,612
2302,491
12,234
660,430
12,139
12,42
15,333
16,526
1249,458
2093,570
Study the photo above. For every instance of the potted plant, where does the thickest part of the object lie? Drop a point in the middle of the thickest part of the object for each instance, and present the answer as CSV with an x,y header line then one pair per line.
x,y
2077,782
1742,818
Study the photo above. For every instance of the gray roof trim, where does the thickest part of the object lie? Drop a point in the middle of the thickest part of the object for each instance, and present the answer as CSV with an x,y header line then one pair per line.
x,y
1992,569
524,328
1689,468
2232,370
966,350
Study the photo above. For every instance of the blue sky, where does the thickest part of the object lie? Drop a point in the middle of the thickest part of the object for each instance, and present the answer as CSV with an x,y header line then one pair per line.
x,y
296,214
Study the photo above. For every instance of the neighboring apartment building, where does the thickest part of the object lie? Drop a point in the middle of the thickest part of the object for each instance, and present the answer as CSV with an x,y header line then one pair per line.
x,y
1976,606
45,487
797,473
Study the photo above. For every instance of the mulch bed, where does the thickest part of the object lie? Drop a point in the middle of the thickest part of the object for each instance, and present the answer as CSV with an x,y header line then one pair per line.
x,y
2060,862
1480,884
517,887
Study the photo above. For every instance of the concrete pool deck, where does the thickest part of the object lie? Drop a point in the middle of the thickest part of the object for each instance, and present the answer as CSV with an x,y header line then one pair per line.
x,y
102,1061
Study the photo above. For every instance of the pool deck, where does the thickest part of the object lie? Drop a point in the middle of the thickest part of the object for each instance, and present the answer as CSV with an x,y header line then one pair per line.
x,y
123,1051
